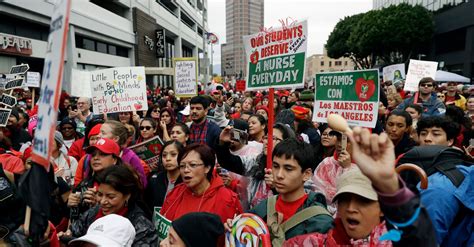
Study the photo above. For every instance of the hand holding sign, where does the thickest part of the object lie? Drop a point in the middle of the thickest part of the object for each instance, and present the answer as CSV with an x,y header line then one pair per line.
x,y
374,155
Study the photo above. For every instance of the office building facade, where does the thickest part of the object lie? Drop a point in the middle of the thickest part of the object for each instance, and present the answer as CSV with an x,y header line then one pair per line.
x,y
106,34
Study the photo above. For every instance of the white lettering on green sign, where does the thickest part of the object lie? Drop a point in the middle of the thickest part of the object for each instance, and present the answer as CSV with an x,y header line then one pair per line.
x,y
335,80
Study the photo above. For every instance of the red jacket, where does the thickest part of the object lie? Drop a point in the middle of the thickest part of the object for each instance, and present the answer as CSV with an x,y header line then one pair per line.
x,y
217,199
76,150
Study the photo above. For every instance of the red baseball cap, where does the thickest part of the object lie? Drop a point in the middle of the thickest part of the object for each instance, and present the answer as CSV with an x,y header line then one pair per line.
x,y
106,146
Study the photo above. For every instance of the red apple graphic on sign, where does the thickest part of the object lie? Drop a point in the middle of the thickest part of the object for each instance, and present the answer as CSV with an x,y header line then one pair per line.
x,y
254,57
137,106
365,88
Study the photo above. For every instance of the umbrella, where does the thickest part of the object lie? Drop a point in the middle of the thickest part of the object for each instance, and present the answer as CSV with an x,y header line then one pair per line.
x,y
448,76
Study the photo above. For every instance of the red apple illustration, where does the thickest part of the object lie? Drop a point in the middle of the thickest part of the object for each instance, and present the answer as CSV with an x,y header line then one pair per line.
x,y
138,106
364,88
254,57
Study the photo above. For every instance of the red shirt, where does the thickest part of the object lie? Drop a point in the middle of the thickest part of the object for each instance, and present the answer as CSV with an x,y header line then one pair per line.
x,y
288,209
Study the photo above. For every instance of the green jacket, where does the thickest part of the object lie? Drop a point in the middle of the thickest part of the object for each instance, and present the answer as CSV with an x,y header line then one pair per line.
x,y
318,223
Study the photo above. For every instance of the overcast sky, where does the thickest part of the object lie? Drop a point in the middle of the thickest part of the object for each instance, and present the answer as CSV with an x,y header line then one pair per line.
x,y
322,16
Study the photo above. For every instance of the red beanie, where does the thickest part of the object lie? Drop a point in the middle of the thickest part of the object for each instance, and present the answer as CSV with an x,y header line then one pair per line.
x,y
94,131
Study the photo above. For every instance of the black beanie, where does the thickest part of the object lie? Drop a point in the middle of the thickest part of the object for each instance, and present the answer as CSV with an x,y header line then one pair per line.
x,y
199,229
15,113
241,124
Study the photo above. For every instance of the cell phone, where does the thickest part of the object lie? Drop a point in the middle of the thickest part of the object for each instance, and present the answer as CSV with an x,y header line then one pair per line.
x,y
239,136
73,107
471,142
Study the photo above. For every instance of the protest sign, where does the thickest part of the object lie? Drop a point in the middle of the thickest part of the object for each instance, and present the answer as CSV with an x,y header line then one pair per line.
x,y
81,83
162,224
353,95
33,79
185,77
19,69
418,70
149,151
276,58
4,115
7,100
240,85
394,73
121,89
12,84
51,86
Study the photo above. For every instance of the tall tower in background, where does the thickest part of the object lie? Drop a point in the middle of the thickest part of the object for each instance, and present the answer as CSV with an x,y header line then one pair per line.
x,y
243,17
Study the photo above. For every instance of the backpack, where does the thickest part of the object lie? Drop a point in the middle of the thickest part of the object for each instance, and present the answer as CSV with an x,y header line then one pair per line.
x,y
278,230
433,159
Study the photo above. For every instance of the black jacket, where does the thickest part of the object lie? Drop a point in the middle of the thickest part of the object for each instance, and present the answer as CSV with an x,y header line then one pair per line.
x,y
155,191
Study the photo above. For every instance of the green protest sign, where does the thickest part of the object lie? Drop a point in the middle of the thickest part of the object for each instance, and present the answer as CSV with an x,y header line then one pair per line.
x,y
354,95
162,225
276,57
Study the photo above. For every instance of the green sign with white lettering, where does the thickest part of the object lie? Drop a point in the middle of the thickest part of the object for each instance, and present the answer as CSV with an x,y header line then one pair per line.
x,y
276,57
354,95
162,224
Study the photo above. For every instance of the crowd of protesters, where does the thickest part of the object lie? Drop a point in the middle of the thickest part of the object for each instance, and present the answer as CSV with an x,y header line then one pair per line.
x,y
318,191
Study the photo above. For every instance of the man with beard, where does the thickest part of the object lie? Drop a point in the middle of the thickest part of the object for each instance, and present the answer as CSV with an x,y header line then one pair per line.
x,y
17,135
427,98
202,130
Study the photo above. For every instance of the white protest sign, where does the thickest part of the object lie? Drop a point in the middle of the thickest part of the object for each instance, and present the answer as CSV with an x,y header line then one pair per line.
x,y
51,87
185,77
276,58
81,83
33,79
394,73
121,89
418,70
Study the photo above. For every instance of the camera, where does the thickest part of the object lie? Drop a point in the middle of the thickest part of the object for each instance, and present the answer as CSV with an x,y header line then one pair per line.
x,y
239,136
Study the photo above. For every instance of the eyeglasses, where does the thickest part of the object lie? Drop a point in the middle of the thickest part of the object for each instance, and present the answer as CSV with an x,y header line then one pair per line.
x,y
191,166
145,127
265,138
327,134
80,103
156,110
426,85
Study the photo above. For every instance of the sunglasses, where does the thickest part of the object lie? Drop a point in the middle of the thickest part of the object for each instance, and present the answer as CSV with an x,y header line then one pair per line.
x,y
145,127
426,85
440,96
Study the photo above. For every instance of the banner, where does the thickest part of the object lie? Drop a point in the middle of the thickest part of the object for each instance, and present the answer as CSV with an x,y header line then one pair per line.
x,y
81,83
394,73
149,151
162,224
185,77
51,87
276,58
418,70
354,95
121,89
33,79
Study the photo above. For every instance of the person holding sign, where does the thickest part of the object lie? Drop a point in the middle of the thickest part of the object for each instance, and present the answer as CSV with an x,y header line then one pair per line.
x,y
117,193
426,96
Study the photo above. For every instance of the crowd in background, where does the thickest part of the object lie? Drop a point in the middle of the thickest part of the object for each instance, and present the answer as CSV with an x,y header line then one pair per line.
x,y
213,167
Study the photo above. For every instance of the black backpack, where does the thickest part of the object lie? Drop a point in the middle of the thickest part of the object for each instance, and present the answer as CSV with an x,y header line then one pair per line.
x,y
434,159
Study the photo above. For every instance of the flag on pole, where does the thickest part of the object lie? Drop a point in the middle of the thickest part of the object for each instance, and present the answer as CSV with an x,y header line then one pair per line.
x,y
212,38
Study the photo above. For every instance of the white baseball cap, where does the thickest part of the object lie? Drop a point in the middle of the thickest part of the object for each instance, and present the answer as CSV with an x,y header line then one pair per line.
x,y
111,230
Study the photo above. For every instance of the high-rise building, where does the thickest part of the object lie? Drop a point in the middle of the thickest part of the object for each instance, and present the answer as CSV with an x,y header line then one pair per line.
x,y
243,17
